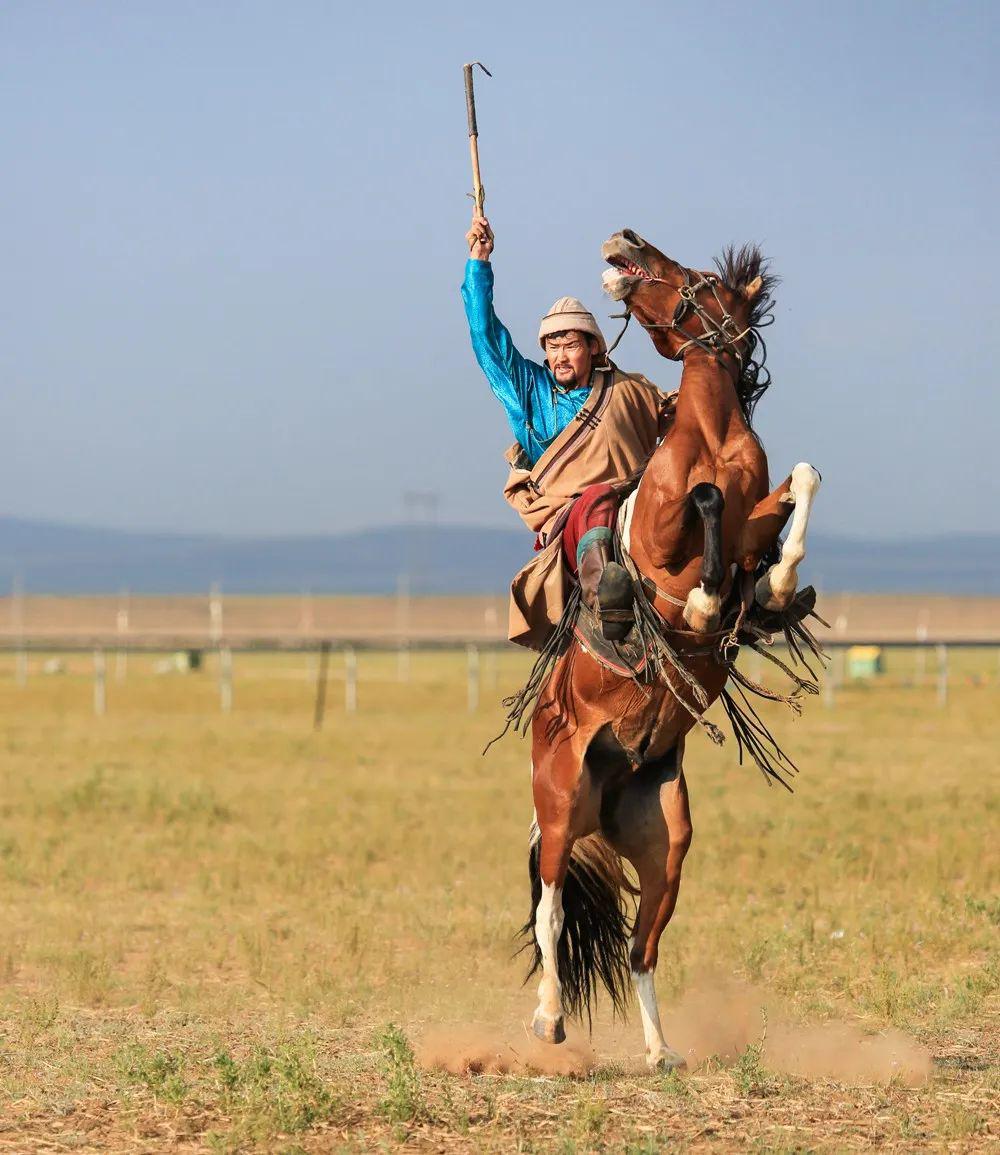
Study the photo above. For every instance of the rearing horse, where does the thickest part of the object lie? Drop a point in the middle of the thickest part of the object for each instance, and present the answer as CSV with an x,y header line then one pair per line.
x,y
607,751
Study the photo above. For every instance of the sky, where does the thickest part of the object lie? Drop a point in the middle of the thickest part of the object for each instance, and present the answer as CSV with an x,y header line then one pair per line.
x,y
232,240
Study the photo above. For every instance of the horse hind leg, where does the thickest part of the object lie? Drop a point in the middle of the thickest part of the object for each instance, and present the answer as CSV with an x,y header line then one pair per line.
x,y
580,932
703,606
577,925
546,925
652,828
775,590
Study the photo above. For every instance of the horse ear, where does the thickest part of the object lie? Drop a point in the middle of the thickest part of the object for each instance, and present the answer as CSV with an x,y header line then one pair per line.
x,y
752,288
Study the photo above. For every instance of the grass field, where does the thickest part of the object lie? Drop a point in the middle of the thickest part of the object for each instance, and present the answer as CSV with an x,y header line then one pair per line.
x,y
226,932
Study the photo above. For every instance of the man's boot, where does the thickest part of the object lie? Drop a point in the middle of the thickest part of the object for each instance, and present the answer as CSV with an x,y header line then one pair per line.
x,y
605,586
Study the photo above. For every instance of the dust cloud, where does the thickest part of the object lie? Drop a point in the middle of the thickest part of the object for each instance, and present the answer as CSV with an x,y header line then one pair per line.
x,y
722,1019
717,1019
478,1051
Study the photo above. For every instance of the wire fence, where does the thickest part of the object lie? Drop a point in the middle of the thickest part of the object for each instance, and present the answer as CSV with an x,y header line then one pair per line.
x,y
938,662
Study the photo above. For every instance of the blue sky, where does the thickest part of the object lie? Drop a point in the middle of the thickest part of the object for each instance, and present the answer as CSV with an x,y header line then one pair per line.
x,y
232,241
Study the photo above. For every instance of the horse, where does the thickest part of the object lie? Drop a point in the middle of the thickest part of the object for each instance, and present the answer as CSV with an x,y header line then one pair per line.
x,y
608,778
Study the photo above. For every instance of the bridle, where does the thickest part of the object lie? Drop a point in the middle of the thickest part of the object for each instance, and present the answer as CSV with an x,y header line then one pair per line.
x,y
717,336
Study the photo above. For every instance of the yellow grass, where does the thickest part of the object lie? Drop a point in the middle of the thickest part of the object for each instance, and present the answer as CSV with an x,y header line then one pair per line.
x,y
226,932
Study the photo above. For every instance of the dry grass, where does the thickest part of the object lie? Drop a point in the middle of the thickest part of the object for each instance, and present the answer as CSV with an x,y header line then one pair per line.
x,y
229,933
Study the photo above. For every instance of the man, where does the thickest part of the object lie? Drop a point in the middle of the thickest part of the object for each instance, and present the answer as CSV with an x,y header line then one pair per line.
x,y
581,426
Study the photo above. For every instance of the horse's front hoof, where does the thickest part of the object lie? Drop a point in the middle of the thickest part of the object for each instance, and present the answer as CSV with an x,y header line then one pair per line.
x,y
666,1060
549,1030
773,593
702,611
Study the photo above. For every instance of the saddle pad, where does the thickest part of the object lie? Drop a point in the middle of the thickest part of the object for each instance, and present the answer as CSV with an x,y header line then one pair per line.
x,y
625,520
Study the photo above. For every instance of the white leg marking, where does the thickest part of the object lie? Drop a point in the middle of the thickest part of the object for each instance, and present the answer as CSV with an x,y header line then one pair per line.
x,y
776,588
548,1021
658,1054
701,612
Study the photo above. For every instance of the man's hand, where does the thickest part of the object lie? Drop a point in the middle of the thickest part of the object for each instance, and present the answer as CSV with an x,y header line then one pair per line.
x,y
480,238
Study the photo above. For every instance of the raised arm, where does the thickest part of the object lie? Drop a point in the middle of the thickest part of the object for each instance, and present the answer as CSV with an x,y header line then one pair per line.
x,y
511,376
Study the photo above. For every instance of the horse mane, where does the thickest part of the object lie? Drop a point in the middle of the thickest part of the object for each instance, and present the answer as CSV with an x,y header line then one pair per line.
x,y
736,268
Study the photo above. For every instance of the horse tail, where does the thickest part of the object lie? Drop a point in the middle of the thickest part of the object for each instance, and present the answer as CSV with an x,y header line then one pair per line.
x,y
594,945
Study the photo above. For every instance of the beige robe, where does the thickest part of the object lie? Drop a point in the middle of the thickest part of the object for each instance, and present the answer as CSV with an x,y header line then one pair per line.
x,y
613,435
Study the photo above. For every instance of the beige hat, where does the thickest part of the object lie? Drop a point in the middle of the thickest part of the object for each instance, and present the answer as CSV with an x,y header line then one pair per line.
x,y
569,313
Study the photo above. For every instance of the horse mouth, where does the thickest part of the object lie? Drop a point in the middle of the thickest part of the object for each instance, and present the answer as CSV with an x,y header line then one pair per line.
x,y
628,267
623,276
626,272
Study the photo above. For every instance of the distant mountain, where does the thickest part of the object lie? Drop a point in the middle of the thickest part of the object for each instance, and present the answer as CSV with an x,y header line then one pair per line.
x,y
52,558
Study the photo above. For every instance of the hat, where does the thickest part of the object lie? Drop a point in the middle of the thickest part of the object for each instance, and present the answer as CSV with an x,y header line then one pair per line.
x,y
569,313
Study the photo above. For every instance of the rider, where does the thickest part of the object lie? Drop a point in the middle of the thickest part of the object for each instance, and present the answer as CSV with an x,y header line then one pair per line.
x,y
582,427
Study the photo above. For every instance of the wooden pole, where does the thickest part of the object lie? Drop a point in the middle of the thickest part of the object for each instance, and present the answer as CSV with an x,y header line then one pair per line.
x,y
321,676
478,193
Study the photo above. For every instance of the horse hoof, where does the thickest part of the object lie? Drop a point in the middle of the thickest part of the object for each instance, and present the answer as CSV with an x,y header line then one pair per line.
x,y
701,611
771,598
701,623
549,1030
667,1060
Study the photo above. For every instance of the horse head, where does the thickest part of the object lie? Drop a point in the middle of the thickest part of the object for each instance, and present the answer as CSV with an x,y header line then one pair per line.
x,y
719,312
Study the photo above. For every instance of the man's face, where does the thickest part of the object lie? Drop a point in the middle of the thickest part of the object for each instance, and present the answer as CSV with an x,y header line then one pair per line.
x,y
570,356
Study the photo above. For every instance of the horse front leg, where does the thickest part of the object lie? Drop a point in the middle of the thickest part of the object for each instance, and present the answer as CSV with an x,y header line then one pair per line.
x,y
764,525
703,606
775,590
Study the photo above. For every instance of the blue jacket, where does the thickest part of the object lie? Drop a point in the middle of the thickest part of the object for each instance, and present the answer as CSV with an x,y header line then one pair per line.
x,y
537,408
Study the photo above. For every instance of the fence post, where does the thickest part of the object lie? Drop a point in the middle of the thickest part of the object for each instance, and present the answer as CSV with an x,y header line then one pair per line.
x,y
321,674
226,679
942,681
350,680
472,661
100,689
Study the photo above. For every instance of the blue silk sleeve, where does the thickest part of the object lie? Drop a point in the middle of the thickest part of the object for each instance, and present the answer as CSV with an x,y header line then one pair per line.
x,y
514,379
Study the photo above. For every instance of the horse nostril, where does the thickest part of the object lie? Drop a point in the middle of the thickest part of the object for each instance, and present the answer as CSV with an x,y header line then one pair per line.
x,y
633,238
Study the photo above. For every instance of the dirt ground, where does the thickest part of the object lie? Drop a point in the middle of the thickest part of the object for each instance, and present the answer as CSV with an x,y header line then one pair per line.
x,y
228,932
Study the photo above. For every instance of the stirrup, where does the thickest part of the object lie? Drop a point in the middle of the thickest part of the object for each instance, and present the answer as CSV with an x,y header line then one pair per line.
x,y
604,615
